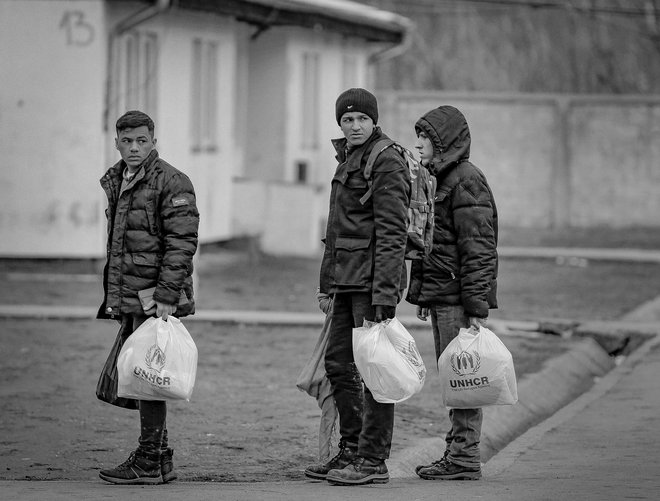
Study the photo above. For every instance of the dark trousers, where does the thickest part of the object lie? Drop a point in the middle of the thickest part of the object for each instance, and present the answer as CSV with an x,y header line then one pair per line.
x,y
465,434
363,423
153,413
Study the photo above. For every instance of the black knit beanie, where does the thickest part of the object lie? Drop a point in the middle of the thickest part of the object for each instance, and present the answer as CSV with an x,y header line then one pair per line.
x,y
357,99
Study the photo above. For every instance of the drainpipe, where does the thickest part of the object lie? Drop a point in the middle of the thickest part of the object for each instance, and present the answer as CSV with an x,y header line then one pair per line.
x,y
398,49
120,28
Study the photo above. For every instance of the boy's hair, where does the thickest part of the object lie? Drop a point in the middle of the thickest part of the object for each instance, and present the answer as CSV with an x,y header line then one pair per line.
x,y
133,119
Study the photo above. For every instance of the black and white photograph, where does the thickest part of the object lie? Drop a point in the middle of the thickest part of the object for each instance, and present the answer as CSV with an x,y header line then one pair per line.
x,y
297,250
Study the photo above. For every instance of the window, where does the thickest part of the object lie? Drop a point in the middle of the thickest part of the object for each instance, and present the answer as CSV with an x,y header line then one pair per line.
x,y
310,102
204,99
137,73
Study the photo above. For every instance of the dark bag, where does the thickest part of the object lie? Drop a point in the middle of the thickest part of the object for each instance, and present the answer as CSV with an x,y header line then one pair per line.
x,y
106,388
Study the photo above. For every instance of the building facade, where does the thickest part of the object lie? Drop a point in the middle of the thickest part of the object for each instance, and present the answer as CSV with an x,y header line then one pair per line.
x,y
242,93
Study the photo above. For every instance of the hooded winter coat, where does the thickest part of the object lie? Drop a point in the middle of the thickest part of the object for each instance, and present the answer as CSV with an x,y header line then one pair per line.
x,y
152,237
365,243
462,267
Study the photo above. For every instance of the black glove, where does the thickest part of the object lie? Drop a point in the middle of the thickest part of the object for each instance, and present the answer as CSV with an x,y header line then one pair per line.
x,y
383,312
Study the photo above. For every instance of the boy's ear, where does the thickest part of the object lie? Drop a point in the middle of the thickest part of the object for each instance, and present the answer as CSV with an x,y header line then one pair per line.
x,y
116,143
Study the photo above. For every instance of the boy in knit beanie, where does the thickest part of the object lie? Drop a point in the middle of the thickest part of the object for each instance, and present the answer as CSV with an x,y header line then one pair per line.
x,y
363,270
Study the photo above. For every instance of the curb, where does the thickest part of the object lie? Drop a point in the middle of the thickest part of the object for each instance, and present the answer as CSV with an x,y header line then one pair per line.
x,y
541,395
509,455
244,317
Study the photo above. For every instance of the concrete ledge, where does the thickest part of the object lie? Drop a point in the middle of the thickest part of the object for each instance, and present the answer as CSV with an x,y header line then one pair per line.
x,y
563,379
618,338
510,454
567,253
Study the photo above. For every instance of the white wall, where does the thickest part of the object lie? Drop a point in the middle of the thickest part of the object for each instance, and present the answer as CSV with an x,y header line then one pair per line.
x,y
289,216
52,56
210,171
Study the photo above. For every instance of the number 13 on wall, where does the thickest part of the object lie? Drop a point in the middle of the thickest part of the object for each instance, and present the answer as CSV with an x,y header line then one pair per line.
x,y
78,31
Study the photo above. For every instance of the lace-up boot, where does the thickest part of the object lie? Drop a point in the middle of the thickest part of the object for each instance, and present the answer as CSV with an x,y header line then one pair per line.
x,y
434,463
167,466
446,470
140,468
359,472
319,471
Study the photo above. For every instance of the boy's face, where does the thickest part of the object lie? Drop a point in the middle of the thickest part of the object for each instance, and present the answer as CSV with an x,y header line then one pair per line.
x,y
357,127
424,147
134,145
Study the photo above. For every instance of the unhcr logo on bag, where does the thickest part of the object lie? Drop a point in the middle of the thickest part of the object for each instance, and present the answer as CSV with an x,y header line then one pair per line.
x,y
155,361
155,358
415,359
466,363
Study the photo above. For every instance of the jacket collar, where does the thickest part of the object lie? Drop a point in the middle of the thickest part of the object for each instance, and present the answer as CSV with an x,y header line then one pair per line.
x,y
116,172
353,158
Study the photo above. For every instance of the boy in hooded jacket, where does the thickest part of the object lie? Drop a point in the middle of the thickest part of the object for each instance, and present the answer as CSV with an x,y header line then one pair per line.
x,y
456,284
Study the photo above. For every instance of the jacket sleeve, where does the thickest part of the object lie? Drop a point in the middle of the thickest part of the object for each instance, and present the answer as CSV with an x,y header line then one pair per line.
x,y
180,222
391,198
476,242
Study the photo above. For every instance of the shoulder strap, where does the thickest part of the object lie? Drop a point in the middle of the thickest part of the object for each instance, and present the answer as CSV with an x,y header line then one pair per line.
x,y
378,148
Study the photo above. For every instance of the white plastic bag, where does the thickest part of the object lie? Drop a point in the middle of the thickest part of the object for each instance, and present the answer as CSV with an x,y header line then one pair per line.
x,y
388,360
158,362
476,370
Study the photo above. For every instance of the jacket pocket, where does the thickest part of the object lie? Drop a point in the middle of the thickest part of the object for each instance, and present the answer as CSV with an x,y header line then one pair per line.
x,y
356,181
354,261
441,194
146,259
152,220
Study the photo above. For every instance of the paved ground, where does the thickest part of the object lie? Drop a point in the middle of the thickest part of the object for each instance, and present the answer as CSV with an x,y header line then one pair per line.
x,y
602,446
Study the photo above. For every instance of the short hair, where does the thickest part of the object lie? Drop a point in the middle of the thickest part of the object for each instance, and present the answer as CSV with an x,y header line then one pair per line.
x,y
134,118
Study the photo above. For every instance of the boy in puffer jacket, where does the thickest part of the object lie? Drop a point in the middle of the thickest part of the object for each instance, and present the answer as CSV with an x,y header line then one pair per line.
x,y
456,284
152,238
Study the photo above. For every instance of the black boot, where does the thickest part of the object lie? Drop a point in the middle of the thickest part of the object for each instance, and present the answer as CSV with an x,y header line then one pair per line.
x,y
140,468
167,466
345,457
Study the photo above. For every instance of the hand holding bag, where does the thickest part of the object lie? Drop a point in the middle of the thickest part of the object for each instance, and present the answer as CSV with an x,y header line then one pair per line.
x,y
476,370
158,362
388,360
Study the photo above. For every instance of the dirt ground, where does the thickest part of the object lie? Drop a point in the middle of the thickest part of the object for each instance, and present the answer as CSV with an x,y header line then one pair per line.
x,y
246,420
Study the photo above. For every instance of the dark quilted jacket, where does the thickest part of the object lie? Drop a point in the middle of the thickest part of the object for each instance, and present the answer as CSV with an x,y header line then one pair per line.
x,y
365,244
462,267
152,237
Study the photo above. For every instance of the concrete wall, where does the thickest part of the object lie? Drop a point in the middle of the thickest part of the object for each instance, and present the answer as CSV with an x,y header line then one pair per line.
x,y
52,83
554,160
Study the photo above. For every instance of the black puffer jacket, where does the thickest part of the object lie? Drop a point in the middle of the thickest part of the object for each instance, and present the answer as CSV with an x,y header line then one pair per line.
x,y
365,244
462,268
152,237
